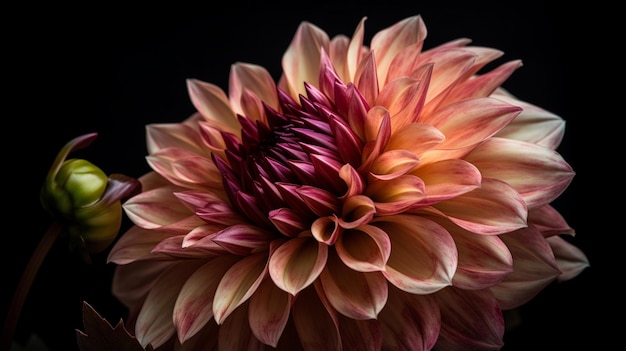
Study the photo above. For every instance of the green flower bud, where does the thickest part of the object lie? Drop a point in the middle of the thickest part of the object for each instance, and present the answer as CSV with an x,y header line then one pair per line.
x,y
79,195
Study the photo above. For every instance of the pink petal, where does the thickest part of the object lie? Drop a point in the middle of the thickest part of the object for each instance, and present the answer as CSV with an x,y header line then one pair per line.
x,y
154,324
569,258
317,328
235,333
387,43
360,335
355,50
447,179
534,267
356,210
243,239
404,98
155,208
356,295
238,284
534,124
301,61
549,221
297,263
132,282
364,249
257,81
409,322
538,173
193,307
366,80
136,244
494,208
428,136
423,257
179,135
287,221
470,320
269,312
212,103
397,195
485,84
392,164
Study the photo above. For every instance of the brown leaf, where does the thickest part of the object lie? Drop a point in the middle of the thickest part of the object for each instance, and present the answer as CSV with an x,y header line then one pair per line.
x,y
99,335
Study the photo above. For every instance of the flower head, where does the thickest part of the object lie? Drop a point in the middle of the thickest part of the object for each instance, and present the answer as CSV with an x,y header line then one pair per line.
x,y
84,199
379,196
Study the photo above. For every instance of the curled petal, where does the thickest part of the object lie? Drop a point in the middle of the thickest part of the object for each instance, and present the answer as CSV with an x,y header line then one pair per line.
x,y
297,263
326,230
423,257
395,196
356,295
364,249
392,164
357,210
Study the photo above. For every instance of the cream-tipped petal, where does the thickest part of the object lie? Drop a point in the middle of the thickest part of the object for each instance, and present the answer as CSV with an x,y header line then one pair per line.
x,y
297,263
357,295
423,254
212,103
569,258
238,284
364,249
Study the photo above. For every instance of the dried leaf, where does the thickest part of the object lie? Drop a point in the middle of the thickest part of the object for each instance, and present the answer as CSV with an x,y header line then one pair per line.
x,y
99,335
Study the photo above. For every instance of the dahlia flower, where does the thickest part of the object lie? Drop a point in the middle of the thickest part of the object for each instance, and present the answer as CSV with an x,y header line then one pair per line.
x,y
381,196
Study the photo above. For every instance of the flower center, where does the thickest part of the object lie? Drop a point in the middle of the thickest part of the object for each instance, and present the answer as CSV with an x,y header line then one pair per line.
x,y
295,147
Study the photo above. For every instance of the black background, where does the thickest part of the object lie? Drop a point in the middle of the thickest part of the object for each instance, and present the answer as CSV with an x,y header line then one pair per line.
x,y
112,70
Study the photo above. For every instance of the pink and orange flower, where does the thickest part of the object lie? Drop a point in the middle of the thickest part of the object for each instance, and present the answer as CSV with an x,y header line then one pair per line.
x,y
379,196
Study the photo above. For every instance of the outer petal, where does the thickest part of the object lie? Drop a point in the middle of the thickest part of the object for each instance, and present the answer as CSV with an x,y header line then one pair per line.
x,y
354,294
360,335
423,257
235,333
212,103
447,179
316,326
538,173
387,43
179,135
136,244
192,309
409,322
154,324
534,124
534,267
470,320
238,284
155,208
297,263
258,82
132,282
570,259
301,61
494,208
269,311
549,221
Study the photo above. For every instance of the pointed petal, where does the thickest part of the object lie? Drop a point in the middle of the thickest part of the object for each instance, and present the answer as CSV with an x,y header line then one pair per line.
x,y
494,208
423,257
392,164
360,335
179,135
534,124
132,282
364,249
235,333
539,174
193,307
387,43
135,244
420,321
569,258
316,327
301,61
268,312
238,284
297,263
428,136
534,267
212,103
243,239
155,208
549,221
447,179
258,82
397,195
354,294
470,319
154,324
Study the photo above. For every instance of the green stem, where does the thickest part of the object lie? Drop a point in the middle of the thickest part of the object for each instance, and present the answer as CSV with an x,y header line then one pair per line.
x,y
40,253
